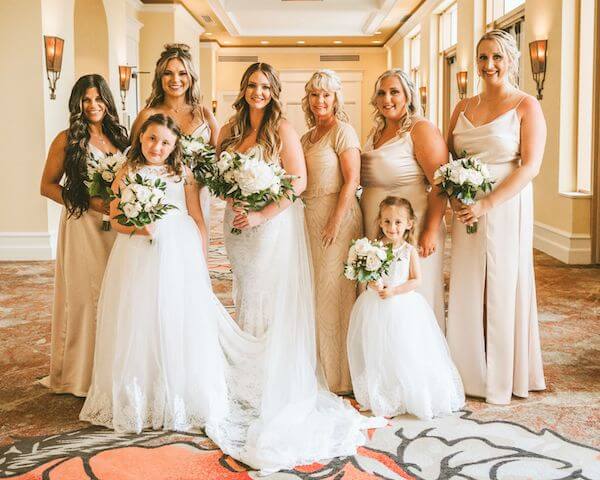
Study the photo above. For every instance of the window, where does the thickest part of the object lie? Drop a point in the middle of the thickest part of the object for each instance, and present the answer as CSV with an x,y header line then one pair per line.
x,y
415,59
448,27
496,9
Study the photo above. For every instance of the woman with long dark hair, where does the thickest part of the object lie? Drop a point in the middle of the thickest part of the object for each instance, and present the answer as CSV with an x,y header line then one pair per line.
x,y
83,248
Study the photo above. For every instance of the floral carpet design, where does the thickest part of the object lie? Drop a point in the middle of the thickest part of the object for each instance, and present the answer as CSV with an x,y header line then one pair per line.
x,y
551,435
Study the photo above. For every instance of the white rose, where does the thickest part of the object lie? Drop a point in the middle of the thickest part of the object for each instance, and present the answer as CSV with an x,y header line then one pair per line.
x,y
132,210
143,193
127,195
349,273
226,156
463,176
381,253
373,262
224,164
475,177
107,176
254,176
484,171
362,246
276,188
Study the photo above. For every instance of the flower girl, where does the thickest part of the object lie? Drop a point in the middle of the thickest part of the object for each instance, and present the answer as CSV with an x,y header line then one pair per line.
x,y
157,362
399,360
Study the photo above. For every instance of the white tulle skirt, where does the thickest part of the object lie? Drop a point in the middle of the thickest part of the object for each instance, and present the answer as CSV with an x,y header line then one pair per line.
x,y
157,361
398,357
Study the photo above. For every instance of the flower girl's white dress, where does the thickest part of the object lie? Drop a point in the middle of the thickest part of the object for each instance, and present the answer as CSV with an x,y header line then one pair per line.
x,y
398,357
157,361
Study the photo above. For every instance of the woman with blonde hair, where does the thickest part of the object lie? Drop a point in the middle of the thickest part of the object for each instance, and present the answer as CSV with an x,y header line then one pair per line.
x,y
492,313
400,157
280,414
176,93
333,217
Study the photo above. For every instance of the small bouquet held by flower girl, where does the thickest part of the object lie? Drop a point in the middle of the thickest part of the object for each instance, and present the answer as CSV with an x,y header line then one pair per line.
x,y
101,172
199,156
251,182
141,199
462,179
368,260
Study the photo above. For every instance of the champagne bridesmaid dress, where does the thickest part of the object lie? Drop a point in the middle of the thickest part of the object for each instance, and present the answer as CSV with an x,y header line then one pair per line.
x,y
492,277
335,295
392,169
81,256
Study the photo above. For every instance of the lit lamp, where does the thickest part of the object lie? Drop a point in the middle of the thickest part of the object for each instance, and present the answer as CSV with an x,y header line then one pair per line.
x,y
214,107
54,53
537,53
461,81
423,95
124,80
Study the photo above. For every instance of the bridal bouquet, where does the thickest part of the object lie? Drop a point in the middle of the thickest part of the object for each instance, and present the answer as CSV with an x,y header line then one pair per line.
x,y
462,179
100,175
368,260
199,156
142,200
249,181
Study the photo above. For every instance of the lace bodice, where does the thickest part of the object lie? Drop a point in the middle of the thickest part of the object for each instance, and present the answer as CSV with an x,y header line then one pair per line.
x,y
400,267
391,165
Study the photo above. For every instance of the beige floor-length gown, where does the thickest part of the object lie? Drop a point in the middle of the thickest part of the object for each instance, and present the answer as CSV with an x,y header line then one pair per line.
x,y
335,294
495,266
392,169
81,256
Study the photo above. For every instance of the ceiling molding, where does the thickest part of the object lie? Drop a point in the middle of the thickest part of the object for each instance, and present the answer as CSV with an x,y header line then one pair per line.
x,y
159,7
328,50
136,4
422,10
225,17
376,18
189,19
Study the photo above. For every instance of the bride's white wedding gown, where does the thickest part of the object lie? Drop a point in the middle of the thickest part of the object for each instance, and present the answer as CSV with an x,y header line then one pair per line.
x,y
280,414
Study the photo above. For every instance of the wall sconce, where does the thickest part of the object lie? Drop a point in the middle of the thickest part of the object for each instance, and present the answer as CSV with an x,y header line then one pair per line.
x,y
461,81
214,107
54,54
537,53
124,79
423,95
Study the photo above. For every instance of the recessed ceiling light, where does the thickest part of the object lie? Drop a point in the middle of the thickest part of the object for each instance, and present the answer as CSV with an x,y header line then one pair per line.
x,y
337,42
376,41
300,42
227,42
377,32
207,33
264,42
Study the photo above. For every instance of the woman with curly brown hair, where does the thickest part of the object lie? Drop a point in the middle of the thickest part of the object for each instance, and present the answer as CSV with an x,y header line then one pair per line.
x,y
83,248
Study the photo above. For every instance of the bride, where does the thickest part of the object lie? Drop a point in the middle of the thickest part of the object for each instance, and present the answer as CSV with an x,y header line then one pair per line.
x,y
281,414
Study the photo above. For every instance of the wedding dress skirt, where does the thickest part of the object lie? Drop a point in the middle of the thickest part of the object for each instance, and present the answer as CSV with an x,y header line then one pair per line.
x,y
281,415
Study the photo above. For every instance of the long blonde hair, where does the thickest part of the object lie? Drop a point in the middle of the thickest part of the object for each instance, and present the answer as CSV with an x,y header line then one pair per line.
x,y
328,81
181,52
412,106
508,46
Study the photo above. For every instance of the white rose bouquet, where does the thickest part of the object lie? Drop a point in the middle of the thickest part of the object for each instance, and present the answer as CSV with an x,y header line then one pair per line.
x,y
101,172
199,156
142,200
462,179
249,181
368,260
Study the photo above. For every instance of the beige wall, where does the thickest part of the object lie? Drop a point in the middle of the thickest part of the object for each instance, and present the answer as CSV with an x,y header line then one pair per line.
x,y
91,38
372,63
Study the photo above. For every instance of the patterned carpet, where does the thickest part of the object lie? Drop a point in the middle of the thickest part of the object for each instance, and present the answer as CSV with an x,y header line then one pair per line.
x,y
551,435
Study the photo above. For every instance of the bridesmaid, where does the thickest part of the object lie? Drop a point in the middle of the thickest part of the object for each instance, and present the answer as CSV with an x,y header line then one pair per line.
x,y
399,159
176,93
492,313
83,248
333,217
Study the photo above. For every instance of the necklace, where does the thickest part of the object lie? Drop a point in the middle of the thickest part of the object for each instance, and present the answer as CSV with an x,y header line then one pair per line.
x,y
100,138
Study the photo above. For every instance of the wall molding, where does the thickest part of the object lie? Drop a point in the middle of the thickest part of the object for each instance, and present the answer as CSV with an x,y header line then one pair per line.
x,y
27,246
569,248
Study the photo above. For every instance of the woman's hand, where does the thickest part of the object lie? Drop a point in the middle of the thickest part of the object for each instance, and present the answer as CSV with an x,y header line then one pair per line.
x,y
428,242
149,230
244,219
330,232
386,292
99,205
468,214
376,286
456,204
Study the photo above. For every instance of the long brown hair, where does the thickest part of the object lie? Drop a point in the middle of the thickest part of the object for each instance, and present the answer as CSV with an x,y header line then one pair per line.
x,y
75,193
174,161
268,132
392,201
181,52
